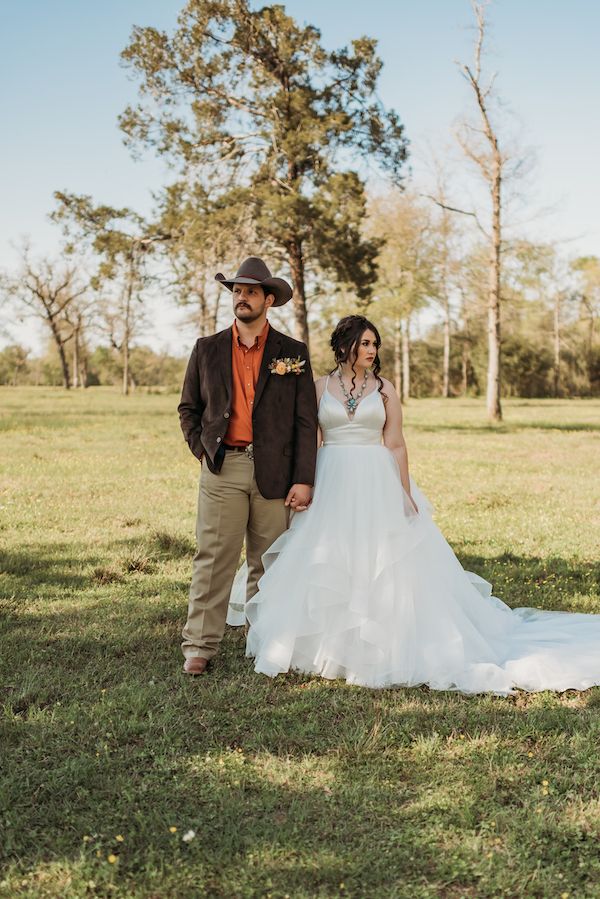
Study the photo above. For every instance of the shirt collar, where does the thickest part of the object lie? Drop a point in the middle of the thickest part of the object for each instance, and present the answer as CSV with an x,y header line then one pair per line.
x,y
259,341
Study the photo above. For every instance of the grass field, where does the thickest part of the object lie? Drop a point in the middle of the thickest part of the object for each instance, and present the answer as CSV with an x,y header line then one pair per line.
x,y
109,756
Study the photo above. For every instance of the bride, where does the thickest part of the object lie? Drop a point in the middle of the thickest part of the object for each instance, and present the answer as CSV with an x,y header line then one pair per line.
x,y
363,586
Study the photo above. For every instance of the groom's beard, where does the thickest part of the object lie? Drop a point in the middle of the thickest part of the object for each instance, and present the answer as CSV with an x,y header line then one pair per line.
x,y
246,313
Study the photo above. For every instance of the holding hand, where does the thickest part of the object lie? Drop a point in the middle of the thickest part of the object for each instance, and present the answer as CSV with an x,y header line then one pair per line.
x,y
299,497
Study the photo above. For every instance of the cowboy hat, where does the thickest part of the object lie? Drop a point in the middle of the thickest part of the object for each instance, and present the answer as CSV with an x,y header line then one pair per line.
x,y
254,271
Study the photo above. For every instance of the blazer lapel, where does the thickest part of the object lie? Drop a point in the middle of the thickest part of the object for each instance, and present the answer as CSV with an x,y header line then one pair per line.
x,y
272,346
224,361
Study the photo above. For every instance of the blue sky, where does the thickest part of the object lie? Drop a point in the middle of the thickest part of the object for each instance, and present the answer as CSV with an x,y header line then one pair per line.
x,y
62,87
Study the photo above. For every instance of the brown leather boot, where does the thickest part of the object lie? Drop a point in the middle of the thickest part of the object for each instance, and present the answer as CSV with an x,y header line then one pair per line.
x,y
195,665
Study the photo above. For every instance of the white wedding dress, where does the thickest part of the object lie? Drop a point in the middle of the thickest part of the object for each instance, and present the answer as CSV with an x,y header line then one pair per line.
x,y
363,588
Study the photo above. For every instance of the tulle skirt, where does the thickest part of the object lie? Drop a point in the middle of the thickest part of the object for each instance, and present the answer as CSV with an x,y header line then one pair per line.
x,y
362,587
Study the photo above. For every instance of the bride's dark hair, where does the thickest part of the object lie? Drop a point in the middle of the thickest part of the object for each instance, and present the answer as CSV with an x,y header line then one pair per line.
x,y
344,342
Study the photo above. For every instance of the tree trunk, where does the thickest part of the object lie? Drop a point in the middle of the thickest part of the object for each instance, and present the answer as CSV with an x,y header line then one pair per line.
x,y
446,371
65,366
127,326
406,359
215,315
126,367
83,372
494,407
398,356
590,352
557,347
465,347
296,261
60,346
204,317
76,356
63,357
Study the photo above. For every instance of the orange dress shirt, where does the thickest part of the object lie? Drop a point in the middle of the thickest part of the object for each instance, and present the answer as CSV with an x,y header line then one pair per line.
x,y
245,366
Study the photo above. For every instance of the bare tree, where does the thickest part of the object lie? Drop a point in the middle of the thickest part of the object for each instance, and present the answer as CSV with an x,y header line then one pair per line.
x,y
123,241
481,145
206,236
405,275
587,272
447,265
487,156
48,289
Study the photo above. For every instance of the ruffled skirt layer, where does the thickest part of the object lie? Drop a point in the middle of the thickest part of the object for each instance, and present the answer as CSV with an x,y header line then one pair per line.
x,y
363,588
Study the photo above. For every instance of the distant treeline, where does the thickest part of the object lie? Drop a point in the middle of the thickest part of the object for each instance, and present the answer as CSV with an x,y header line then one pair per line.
x,y
528,367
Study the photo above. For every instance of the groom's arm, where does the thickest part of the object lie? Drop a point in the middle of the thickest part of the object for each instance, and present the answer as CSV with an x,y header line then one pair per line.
x,y
191,407
305,432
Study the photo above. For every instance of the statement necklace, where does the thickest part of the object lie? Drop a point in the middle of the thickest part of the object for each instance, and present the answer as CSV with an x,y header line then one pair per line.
x,y
351,401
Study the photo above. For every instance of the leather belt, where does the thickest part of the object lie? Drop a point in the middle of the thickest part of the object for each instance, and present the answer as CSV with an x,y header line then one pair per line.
x,y
248,450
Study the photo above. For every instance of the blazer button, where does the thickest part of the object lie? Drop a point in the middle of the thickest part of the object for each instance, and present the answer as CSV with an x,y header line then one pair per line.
x,y
218,439
226,415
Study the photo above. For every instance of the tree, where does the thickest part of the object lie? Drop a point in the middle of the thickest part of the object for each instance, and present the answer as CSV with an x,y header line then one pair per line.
x,y
255,98
123,240
205,235
472,313
447,267
481,145
489,159
405,271
48,289
587,272
536,291
13,362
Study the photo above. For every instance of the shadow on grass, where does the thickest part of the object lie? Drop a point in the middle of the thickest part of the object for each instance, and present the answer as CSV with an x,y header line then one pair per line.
x,y
504,427
549,583
52,420
292,786
64,567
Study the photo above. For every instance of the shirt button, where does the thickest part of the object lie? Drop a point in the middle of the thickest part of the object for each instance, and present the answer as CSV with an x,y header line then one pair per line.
x,y
226,415
218,439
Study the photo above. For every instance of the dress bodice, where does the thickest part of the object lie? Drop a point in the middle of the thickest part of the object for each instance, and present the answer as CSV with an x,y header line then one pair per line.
x,y
363,429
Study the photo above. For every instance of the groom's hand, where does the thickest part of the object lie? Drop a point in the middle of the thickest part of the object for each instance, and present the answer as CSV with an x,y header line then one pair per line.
x,y
299,498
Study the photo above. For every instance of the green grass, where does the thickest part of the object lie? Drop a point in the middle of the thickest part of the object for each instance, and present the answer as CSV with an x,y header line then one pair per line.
x,y
295,787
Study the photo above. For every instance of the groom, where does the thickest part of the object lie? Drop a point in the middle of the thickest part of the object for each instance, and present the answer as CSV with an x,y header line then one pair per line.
x,y
248,412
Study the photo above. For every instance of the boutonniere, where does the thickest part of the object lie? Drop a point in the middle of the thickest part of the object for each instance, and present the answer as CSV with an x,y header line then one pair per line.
x,y
287,366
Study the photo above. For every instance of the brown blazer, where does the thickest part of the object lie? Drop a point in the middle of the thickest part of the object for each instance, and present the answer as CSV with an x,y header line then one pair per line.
x,y
284,417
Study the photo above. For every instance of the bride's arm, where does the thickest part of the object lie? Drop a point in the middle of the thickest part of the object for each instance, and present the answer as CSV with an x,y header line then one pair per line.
x,y
320,387
393,437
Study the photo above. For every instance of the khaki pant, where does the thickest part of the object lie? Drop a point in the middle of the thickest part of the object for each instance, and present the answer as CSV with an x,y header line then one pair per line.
x,y
230,507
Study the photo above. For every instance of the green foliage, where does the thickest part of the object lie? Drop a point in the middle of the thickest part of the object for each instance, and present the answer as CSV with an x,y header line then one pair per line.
x,y
526,368
250,104
293,786
13,365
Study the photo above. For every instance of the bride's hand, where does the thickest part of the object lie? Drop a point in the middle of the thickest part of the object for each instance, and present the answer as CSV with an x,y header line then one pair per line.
x,y
299,497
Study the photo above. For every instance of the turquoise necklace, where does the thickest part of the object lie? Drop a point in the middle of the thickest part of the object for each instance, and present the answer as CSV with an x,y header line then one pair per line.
x,y
352,401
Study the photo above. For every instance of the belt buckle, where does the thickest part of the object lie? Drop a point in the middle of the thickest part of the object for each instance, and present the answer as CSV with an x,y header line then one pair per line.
x,y
249,451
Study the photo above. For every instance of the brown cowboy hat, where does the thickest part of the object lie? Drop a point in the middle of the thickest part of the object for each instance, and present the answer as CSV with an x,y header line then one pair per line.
x,y
254,271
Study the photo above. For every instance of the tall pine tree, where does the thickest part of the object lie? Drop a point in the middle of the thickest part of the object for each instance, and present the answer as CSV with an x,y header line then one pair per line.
x,y
254,97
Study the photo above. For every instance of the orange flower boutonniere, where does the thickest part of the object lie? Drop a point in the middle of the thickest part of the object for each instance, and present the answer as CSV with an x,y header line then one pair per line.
x,y
287,366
